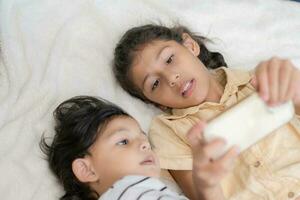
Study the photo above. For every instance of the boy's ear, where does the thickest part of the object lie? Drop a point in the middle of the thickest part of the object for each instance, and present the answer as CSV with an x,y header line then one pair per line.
x,y
82,168
191,44
163,108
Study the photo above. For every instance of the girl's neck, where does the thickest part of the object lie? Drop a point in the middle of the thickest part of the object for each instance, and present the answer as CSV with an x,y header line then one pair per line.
x,y
215,91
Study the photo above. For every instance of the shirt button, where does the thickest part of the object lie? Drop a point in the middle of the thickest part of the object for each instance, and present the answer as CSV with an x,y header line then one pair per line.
x,y
257,164
291,194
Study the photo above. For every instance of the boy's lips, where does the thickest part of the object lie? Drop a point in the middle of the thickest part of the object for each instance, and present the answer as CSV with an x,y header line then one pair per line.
x,y
187,88
149,160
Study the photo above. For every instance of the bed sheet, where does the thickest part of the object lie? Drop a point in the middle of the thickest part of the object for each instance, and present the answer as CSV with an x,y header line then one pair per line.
x,y
52,50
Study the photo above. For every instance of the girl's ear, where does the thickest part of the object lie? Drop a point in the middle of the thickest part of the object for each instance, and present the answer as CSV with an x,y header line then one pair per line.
x,y
82,168
191,44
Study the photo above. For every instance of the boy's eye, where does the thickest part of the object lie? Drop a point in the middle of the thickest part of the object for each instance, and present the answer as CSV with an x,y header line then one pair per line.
x,y
170,59
155,85
123,142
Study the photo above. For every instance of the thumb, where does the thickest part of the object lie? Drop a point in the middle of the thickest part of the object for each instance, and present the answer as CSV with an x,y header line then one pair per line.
x,y
254,82
195,135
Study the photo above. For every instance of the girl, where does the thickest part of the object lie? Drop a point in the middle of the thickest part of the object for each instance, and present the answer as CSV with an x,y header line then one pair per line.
x,y
173,69
100,152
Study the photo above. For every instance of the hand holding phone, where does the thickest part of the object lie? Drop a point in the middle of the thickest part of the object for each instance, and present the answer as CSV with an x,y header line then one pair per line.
x,y
248,121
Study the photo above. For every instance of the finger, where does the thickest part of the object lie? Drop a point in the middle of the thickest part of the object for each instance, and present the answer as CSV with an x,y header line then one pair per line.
x,y
215,170
253,82
195,134
226,160
284,80
297,198
262,81
273,77
291,93
296,98
213,148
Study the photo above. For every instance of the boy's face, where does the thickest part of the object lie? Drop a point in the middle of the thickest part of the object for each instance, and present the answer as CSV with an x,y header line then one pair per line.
x,y
123,149
171,74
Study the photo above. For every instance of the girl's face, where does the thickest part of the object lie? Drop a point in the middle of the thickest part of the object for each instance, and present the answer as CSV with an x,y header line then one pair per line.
x,y
170,74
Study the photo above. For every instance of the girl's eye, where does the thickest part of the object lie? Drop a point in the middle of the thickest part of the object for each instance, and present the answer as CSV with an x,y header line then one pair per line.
x,y
123,142
155,85
170,59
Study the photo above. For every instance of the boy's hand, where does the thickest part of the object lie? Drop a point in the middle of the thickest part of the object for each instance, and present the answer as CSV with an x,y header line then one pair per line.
x,y
207,173
277,81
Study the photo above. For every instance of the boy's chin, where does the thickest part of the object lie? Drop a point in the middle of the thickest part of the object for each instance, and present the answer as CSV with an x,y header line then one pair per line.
x,y
155,173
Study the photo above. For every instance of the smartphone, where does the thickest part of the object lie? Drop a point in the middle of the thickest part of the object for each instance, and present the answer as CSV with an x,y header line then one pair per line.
x,y
247,122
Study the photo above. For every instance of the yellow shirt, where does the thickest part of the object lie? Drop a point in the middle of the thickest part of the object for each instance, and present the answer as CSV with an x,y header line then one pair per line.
x,y
269,169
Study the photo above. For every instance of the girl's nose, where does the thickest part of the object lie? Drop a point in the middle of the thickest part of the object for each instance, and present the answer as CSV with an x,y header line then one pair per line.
x,y
173,79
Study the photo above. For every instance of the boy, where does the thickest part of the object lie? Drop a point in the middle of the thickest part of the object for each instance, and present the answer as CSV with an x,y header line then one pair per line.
x,y
100,152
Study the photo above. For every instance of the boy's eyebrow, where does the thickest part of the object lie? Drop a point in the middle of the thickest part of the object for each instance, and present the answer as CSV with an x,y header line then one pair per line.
x,y
121,130
116,132
157,56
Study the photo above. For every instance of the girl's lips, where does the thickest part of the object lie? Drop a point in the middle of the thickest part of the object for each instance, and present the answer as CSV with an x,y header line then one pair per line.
x,y
187,88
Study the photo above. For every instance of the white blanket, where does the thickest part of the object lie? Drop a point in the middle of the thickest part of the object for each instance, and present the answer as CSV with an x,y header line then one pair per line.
x,y
54,49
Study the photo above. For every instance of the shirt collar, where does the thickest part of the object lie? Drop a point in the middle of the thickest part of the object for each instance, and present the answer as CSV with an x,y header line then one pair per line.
x,y
231,79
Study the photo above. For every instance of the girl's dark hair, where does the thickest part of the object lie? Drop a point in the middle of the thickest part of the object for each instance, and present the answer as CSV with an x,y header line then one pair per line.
x,y
136,38
79,121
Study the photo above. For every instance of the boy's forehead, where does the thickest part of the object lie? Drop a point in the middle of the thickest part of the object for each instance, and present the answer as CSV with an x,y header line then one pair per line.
x,y
120,124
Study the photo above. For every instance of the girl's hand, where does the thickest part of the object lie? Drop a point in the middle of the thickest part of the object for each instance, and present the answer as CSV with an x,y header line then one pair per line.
x,y
277,81
207,173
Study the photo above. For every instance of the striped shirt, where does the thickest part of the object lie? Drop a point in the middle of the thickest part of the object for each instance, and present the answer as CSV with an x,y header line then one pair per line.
x,y
140,188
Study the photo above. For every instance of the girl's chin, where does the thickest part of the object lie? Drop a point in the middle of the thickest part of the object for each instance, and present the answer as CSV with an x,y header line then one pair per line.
x,y
196,101
199,98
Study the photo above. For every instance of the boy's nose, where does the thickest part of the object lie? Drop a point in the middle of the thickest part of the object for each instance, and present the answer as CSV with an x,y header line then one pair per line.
x,y
173,79
145,145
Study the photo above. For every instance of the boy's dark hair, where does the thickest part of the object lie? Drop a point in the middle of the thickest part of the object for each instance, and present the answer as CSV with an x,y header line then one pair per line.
x,y
79,121
136,38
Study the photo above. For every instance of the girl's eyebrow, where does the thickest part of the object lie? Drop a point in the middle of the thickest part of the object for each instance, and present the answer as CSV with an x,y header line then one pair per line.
x,y
161,50
157,57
